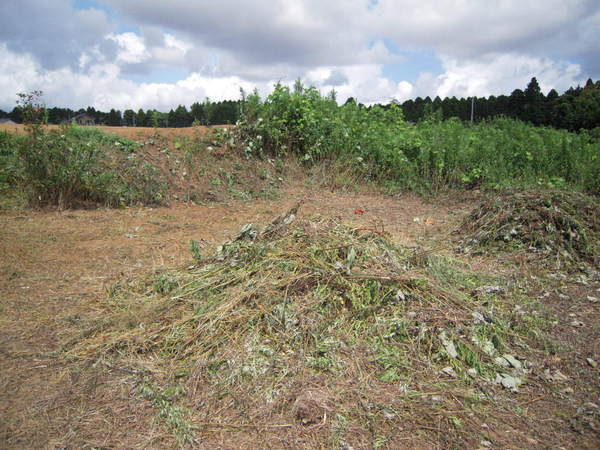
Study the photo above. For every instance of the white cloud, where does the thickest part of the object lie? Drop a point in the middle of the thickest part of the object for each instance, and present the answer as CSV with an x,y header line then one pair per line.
x,y
497,74
135,51
315,33
367,85
53,31
484,48
103,87
173,52
473,27
132,48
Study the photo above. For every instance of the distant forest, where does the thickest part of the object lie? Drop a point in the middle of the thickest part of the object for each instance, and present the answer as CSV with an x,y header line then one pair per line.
x,y
205,113
577,108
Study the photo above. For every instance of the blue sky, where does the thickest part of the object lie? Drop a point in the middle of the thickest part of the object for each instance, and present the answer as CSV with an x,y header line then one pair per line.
x,y
159,54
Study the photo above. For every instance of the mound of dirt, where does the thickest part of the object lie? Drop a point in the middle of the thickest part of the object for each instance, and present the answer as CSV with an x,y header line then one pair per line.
x,y
563,223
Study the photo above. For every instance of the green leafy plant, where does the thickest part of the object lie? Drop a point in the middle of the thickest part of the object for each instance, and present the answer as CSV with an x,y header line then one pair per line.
x,y
434,154
74,167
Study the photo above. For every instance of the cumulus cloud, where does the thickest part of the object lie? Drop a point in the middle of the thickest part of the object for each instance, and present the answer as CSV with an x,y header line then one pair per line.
x,y
103,85
132,48
141,54
54,32
472,27
316,33
85,57
263,32
497,74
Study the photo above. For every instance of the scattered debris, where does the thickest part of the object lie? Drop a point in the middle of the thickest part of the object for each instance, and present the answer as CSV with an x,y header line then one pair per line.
x,y
563,223
280,311
557,376
511,361
490,290
449,371
501,361
591,362
484,344
480,319
509,382
426,220
448,345
312,406
400,296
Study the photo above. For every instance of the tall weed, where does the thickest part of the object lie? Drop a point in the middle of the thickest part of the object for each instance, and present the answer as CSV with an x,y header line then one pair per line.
x,y
73,167
432,155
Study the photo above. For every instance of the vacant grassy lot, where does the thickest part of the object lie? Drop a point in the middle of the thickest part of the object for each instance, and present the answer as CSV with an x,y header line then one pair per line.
x,y
65,275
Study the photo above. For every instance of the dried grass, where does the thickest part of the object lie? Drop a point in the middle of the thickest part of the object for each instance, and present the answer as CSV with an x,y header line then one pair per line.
x,y
306,322
561,223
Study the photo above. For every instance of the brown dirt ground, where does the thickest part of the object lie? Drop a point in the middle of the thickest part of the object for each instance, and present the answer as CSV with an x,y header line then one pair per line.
x,y
128,132
55,268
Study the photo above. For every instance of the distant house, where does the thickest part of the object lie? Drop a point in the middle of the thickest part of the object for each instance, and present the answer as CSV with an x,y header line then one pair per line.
x,y
81,119
7,122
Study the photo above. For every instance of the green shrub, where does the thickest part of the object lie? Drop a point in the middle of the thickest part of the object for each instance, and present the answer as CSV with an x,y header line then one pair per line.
x,y
504,152
9,166
74,167
315,128
434,154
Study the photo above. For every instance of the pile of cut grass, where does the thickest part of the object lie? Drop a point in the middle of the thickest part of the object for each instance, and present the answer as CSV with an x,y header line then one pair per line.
x,y
562,223
309,319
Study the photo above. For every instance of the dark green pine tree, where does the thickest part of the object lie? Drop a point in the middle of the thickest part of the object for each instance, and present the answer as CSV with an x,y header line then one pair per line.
x,y
515,104
179,117
129,118
533,104
113,118
142,120
197,112
16,115
587,107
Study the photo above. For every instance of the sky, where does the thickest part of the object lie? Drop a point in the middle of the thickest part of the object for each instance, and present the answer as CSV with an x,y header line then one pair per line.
x,y
162,53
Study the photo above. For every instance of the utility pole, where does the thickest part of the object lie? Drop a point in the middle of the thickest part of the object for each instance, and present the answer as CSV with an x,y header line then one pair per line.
x,y
472,108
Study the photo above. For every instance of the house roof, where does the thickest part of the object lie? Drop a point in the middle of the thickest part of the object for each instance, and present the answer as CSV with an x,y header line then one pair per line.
x,y
81,115
78,116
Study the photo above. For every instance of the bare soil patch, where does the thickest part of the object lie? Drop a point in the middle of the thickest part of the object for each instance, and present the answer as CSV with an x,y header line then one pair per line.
x,y
128,132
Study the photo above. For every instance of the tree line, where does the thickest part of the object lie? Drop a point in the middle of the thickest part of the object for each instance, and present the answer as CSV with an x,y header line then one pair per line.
x,y
204,113
577,108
